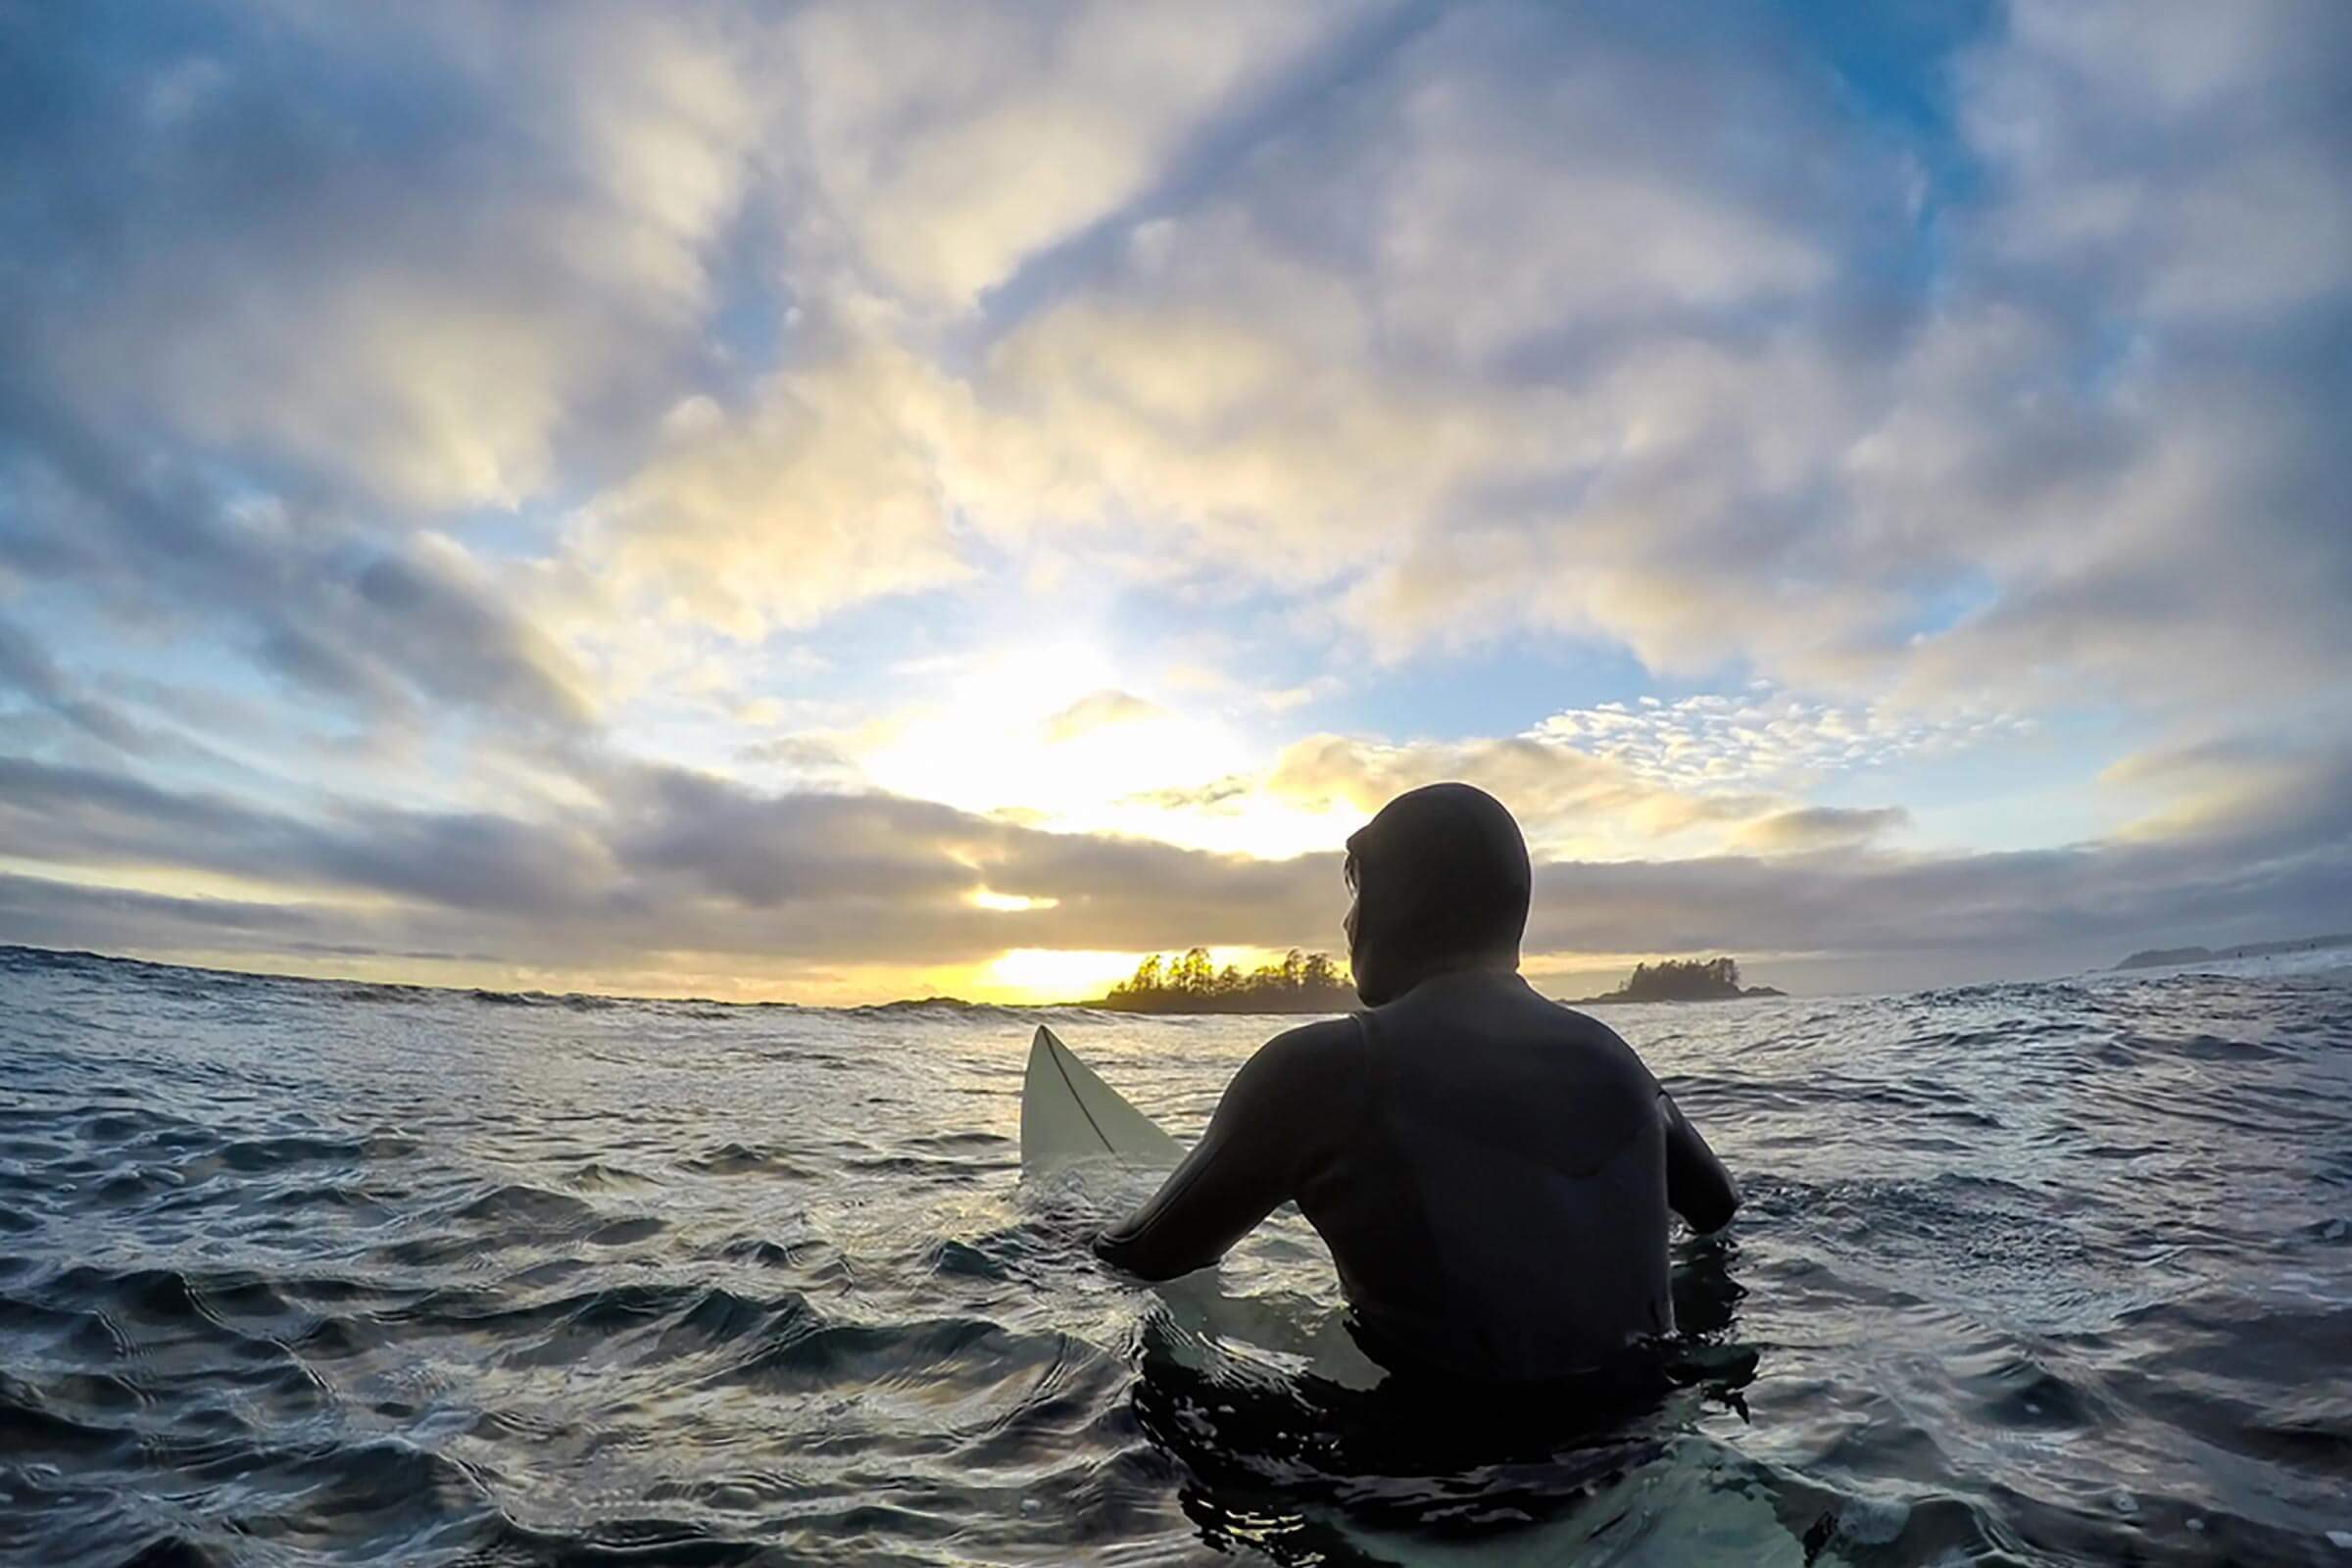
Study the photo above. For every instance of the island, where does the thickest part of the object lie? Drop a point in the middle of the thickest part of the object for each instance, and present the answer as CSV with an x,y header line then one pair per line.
x,y
2161,958
1682,980
1303,982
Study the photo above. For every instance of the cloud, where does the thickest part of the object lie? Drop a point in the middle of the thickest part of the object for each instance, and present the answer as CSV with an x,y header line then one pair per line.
x,y
809,759
1550,786
27,667
2207,789
914,169
400,254
459,385
1399,315
2173,153
382,626
1405,326
1398,357
948,156
747,882
1098,711
480,862
721,870
1764,739
46,912
825,494
1476,324
1819,827
1570,799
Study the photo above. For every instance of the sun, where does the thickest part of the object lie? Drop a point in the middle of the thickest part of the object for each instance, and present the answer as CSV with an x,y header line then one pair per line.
x,y
1052,974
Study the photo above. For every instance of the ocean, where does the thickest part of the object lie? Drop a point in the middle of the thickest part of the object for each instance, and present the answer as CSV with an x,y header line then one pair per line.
x,y
306,1272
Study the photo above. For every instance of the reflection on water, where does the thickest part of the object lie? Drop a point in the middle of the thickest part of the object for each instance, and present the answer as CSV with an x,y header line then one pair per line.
x,y
295,1272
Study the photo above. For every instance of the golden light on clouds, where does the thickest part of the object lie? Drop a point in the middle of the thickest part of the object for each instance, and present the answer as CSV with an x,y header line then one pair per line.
x,y
1006,902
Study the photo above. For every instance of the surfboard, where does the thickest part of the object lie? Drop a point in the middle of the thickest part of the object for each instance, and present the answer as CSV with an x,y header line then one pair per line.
x,y
1071,1119
1070,1114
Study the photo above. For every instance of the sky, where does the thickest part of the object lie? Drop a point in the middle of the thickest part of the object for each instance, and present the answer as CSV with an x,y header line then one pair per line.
x,y
834,502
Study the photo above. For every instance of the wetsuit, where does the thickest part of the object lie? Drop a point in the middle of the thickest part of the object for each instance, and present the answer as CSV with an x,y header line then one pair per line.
x,y
1492,1171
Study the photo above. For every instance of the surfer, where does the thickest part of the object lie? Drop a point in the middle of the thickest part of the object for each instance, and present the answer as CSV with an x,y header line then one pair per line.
x,y
1492,1170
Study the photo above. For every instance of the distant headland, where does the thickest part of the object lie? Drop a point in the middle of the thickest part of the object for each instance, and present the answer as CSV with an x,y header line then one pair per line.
x,y
2160,957
1303,982
1682,980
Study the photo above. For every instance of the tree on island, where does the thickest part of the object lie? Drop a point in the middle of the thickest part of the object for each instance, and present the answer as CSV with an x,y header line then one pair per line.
x,y
1683,980
1303,982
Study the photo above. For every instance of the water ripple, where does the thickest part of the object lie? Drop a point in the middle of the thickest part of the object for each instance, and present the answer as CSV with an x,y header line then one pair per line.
x,y
302,1272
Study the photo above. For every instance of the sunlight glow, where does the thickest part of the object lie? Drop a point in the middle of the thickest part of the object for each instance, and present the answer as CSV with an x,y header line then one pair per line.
x,y
1006,902
1013,736
1046,975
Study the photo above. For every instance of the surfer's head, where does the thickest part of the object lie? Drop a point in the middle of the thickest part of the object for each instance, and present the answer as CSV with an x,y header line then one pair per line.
x,y
1441,883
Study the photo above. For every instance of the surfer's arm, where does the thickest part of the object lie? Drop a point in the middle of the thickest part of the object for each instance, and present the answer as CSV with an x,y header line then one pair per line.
x,y
1697,1187
1245,1166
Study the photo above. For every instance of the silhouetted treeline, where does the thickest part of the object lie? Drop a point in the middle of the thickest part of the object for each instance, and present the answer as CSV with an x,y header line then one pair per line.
x,y
1683,980
1303,982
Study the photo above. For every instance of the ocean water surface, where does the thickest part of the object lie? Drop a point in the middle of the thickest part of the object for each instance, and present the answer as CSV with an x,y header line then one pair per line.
x,y
299,1272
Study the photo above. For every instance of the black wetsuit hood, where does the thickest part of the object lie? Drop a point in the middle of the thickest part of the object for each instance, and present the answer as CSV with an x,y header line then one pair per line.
x,y
1442,881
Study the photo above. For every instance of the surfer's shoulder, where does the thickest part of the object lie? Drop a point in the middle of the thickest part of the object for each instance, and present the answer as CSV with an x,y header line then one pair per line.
x,y
1311,1077
1322,1039
1309,1059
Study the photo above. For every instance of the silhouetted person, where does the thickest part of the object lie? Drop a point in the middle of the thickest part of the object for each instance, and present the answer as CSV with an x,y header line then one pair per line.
x,y
1490,1170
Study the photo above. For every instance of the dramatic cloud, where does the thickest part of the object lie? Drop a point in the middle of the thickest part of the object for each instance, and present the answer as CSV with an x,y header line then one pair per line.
x,y
744,885
745,882
826,496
